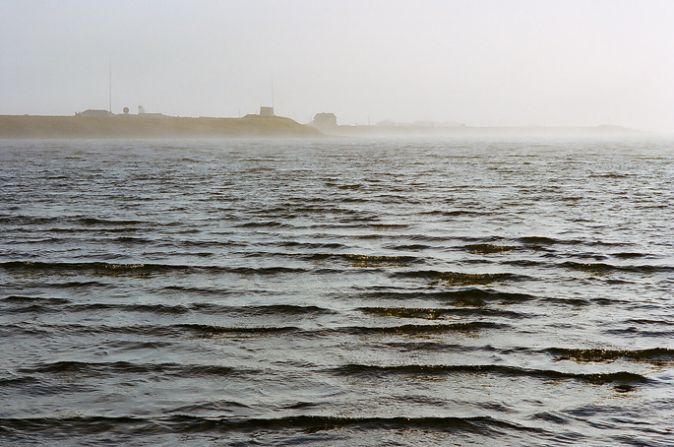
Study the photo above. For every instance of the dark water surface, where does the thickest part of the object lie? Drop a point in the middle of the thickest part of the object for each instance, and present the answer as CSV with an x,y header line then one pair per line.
x,y
336,293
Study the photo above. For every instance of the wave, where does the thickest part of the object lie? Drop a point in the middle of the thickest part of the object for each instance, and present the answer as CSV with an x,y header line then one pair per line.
x,y
121,269
99,267
201,291
570,301
600,267
384,225
435,346
18,381
20,299
545,240
610,175
209,308
151,308
591,267
652,355
201,243
25,220
501,370
79,220
352,223
12,330
435,313
310,245
489,249
177,330
413,247
76,220
42,241
39,386
454,213
352,186
461,279
642,321
96,369
132,240
271,309
419,329
95,231
633,331
58,306
267,224
376,261
74,284
355,260
629,255
469,296
408,329
207,329
219,406
100,221
130,345
308,423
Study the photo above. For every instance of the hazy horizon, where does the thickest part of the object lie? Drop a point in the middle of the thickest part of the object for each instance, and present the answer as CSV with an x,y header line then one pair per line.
x,y
482,63
176,281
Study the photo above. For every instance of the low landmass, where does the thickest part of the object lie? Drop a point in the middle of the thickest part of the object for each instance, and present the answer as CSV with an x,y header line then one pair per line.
x,y
139,126
327,123
103,124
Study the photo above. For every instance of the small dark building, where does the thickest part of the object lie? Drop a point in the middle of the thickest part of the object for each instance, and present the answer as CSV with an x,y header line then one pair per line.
x,y
94,112
266,111
324,120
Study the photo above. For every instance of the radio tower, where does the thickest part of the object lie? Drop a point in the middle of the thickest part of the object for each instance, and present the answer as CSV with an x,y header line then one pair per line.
x,y
110,86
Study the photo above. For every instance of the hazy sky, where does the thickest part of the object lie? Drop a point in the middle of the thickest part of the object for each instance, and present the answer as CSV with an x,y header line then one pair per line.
x,y
474,61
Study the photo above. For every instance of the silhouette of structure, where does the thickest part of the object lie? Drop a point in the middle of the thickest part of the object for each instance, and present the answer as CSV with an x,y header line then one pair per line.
x,y
144,114
325,121
94,112
266,111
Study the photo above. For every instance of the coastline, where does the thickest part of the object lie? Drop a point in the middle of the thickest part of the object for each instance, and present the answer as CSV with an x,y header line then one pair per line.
x,y
138,126
134,126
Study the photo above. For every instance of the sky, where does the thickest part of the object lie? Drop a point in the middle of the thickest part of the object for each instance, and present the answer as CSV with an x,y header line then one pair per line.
x,y
478,62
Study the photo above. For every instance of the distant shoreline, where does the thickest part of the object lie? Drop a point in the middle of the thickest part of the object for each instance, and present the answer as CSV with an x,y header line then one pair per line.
x,y
477,131
138,126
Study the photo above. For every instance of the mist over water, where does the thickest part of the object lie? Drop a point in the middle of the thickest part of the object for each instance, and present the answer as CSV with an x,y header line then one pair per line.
x,y
336,223
482,63
336,292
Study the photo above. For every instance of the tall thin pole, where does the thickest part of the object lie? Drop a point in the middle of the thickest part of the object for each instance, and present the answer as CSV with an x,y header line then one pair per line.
x,y
110,85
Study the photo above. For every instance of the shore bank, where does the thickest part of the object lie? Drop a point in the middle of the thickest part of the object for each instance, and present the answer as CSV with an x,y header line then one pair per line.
x,y
134,126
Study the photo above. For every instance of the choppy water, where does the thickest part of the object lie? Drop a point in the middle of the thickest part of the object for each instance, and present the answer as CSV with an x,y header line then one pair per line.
x,y
336,293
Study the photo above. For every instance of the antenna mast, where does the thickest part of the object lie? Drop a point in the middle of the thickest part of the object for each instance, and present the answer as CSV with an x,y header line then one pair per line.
x,y
110,85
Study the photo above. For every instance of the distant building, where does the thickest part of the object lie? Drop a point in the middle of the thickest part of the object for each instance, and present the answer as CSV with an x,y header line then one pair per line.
x,y
266,111
324,120
143,113
94,112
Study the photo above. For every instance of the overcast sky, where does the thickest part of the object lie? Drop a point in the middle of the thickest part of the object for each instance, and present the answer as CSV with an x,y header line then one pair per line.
x,y
480,62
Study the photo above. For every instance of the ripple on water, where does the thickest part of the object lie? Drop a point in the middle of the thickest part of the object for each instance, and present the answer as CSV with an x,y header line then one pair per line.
x,y
337,292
